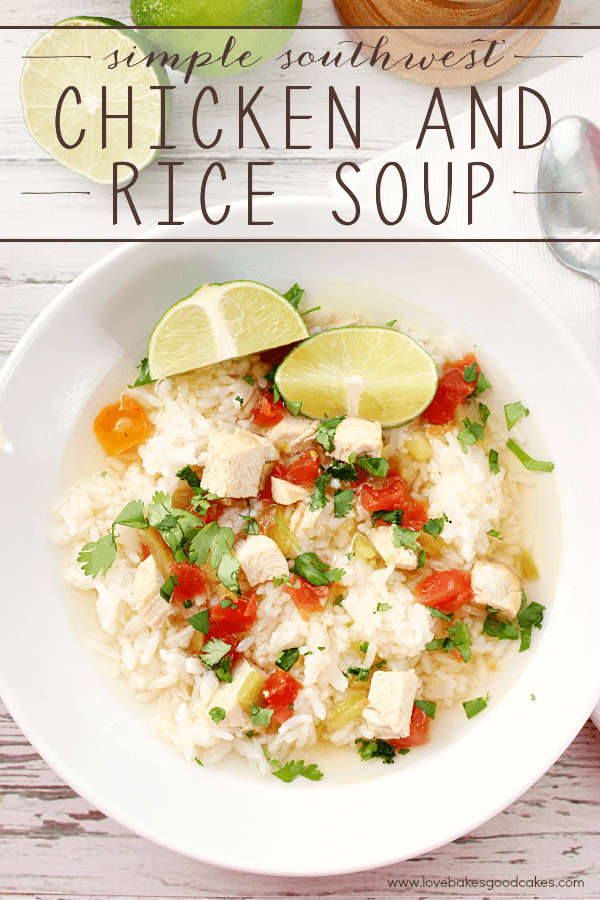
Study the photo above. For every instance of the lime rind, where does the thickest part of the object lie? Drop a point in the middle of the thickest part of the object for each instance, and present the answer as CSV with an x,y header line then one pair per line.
x,y
43,81
312,371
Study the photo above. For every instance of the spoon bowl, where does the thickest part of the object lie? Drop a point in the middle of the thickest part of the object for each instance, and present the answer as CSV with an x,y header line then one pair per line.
x,y
568,198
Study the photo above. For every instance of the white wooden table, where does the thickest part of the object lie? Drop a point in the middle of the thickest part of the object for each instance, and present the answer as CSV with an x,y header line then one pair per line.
x,y
53,843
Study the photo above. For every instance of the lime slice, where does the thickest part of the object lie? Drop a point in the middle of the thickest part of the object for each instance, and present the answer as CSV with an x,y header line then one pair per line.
x,y
44,79
375,373
220,321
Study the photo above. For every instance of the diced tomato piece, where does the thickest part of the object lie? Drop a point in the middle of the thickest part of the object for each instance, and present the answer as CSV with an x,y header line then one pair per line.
x,y
230,620
190,581
419,731
303,470
307,596
392,493
452,390
145,552
268,411
279,693
122,426
447,590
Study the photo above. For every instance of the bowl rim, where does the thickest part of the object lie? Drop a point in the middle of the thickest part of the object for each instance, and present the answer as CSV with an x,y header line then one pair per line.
x,y
326,867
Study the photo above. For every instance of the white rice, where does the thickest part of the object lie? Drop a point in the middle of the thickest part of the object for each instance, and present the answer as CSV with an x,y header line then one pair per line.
x,y
184,412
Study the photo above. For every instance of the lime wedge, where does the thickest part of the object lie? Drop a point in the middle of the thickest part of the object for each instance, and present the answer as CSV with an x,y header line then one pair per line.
x,y
371,372
90,50
221,321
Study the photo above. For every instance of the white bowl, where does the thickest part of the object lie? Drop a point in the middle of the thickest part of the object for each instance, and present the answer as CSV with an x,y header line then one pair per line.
x,y
94,735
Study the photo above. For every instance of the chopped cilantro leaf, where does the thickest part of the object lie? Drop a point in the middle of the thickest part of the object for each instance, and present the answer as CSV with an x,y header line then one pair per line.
x,y
192,478
338,600
176,526
494,467
98,556
251,526
314,570
375,465
293,406
472,707
248,379
470,373
287,658
166,591
343,502
249,734
427,706
364,647
227,602
217,714
199,621
213,652
471,433
292,769
312,309
144,376
533,696
103,474
218,541
484,412
326,431
481,385
259,715
280,579
228,571
525,638
499,628
434,526
391,324
319,497
493,533
376,749
240,401
458,639
383,607
534,465
393,516
513,412
438,614
187,603
344,471
404,537
198,761
294,296
531,615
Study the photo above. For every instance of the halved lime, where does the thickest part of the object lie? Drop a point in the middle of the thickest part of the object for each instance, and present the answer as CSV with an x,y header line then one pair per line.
x,y
221,321
89,49
371,372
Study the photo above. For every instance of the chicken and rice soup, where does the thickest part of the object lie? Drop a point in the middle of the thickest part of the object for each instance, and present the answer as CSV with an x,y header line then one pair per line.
x,y
268,581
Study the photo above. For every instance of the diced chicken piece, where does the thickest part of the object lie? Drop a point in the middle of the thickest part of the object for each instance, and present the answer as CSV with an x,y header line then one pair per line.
x,y
497,586
225,697
293,434
147,583
260,558
303,519
235,463
285,493
358,436
390,703
382,539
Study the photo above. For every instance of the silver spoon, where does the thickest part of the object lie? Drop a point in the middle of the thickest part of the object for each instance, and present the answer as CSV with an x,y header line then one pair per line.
x,y
568,198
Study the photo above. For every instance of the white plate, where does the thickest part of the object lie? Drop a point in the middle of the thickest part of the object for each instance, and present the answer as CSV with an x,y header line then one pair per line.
x,y
92,735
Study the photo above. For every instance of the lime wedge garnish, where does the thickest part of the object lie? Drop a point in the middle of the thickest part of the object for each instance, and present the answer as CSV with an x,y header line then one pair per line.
x,y
371,372
221,321
44,80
